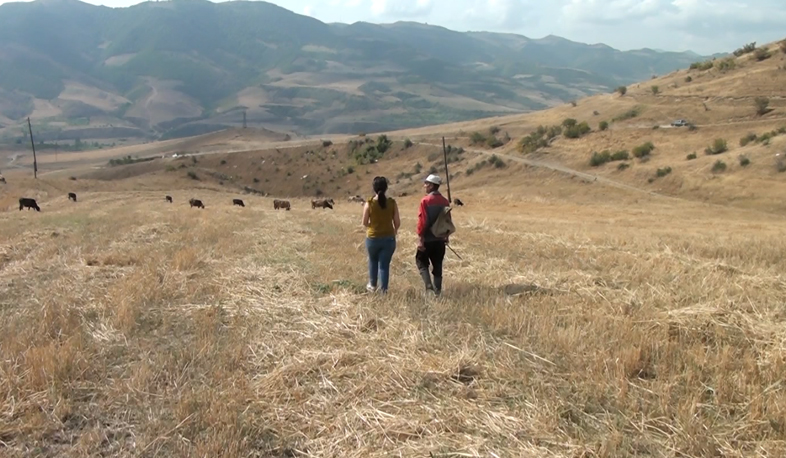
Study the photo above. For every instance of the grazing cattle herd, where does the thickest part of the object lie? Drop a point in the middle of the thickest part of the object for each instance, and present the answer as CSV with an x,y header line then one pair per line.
x,y
29,203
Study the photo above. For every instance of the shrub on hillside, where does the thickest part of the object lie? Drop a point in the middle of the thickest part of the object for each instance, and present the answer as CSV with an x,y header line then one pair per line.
x,y
727,64
599,159
622,90
663,172
623,166
718,146
655,90
744,161
643,150
408,143
577,130
688,79
568,123
496,161
762,54
748,48
761,104
603,125
718,166
620,156
326,143
691,156
751,137
630,114
540,138
477,138
706,65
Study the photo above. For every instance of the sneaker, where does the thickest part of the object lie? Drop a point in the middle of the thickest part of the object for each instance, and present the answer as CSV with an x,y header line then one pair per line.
x,y
370,288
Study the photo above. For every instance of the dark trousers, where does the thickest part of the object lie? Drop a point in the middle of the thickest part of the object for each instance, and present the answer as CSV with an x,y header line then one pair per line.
x,y
433,254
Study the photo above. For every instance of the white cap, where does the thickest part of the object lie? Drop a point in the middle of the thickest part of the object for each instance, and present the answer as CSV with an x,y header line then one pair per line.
x,y
435,179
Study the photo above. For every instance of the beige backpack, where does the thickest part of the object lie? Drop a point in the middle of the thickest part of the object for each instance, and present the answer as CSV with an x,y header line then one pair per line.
x,y
443,226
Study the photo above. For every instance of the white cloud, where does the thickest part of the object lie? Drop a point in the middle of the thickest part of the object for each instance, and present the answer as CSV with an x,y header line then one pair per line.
x,y
307,10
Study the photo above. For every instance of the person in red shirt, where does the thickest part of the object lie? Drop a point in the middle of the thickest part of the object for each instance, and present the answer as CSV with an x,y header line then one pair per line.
x,y
431,249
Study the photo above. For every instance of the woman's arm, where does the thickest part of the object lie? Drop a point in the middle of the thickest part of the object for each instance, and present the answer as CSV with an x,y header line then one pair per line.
x,y
396,218
366,215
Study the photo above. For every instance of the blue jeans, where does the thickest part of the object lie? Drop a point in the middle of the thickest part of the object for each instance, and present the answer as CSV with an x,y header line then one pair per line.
x,y
380,252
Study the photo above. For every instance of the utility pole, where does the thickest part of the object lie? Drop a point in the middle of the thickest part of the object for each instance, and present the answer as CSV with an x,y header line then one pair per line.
x,y
32,143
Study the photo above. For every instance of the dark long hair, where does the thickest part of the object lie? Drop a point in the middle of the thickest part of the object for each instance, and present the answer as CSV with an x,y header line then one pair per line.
x,y
380,185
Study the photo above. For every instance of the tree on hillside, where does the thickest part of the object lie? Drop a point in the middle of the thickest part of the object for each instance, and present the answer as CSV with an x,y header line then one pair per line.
x,y
761,105
655,90
622,90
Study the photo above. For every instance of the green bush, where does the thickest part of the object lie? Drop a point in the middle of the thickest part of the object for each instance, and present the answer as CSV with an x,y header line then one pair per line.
x,y
578,130
408,143
751,137
622,90
620,156
623,166
762,54
599,159
496,161
761,105
655,90
603,125
477,138
691,156
663,172
744,160
718,166
717,147
643,150
630,114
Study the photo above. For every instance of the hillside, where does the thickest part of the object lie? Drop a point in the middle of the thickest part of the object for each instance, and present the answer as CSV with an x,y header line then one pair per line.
x,y
161,70
719,102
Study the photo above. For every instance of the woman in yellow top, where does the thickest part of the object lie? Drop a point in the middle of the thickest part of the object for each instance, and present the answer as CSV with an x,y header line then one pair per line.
x,y
380,217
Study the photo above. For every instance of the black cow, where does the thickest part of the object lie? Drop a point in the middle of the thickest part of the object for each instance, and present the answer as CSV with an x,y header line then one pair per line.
x,y
72,196
29,203
196,203
238,202
459,203
169,199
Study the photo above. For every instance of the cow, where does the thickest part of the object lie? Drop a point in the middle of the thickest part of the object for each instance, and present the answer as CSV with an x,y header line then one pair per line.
x,y
281,204
238,202
196,203
169,199
459,203
29,203
324,203
356,199
72,196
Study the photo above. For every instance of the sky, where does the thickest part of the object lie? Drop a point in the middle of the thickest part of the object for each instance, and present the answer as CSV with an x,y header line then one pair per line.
x,y
702,26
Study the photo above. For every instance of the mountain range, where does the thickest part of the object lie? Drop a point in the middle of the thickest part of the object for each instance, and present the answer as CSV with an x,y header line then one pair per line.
x,y
161,70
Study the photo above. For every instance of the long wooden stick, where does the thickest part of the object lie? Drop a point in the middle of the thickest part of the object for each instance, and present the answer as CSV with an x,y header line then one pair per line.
x,y
447,174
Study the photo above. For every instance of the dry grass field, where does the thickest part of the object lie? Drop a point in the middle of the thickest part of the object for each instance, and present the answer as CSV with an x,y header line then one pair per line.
x,y
618,317
572,326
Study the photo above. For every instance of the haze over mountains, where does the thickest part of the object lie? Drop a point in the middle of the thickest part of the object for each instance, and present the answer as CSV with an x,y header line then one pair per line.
x,y
173,69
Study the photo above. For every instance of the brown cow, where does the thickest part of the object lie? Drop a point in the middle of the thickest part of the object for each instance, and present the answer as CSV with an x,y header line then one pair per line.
x,y
323,203
238,202
196,203
169,199
281,204
72,196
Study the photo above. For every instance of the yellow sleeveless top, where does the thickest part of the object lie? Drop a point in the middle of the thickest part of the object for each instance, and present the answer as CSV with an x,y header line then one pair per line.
x,y
381,219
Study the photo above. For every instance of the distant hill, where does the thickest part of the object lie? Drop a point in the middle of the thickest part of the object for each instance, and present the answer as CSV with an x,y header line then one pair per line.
x,y
170,69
